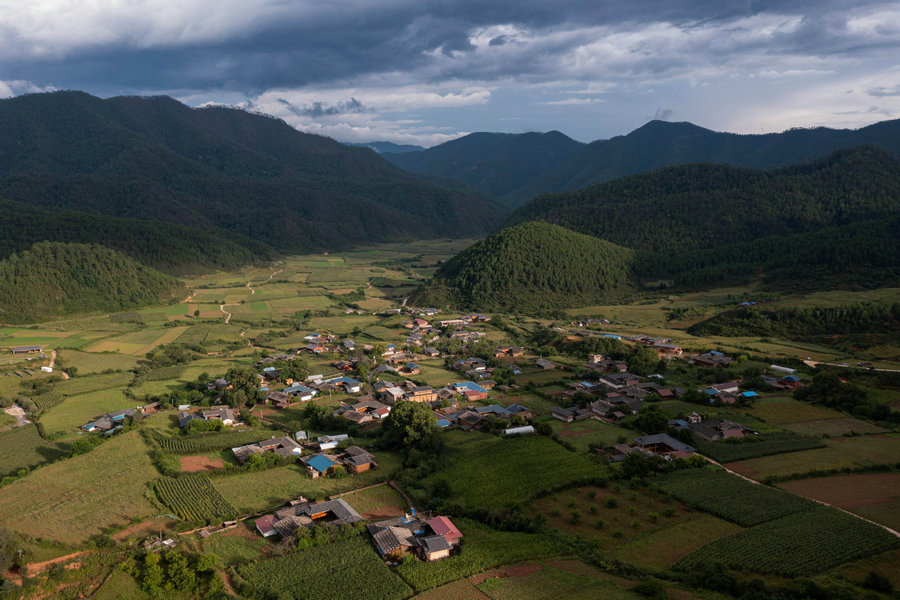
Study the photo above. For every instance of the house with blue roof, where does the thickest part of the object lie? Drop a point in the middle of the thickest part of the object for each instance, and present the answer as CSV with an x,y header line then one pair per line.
x,y
300,391
319,465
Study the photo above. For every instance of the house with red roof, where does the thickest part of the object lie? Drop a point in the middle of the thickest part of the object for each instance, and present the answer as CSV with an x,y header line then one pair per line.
x,y
445,527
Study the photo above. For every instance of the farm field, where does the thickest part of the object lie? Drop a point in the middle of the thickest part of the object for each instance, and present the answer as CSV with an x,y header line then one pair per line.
x,y
348,569
833,427
193,498
839,453
75,411
71,500
94,362
264,490
83,385
875,496
24,448
778,410
491,477
802,544
582,434
376,503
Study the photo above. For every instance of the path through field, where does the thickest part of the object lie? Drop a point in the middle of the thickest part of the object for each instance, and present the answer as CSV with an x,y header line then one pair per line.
x,y
19,413
252,291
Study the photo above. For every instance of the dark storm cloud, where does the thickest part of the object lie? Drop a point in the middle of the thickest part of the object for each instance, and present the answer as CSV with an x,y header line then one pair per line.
x,y
299,45
321,109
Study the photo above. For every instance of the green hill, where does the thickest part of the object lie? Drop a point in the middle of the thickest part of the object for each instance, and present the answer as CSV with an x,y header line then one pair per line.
x,y
702,222
57,279
531,267
246,174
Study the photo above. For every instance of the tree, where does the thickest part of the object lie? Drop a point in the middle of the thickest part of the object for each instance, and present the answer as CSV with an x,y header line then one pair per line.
x,y
412,425
651,419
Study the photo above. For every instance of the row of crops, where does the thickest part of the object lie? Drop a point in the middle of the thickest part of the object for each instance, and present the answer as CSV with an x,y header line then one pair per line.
x,y
765,444
136,317
165,373
348,569
23,447
47,400
205,442
796,545
93,383
732,498
193,498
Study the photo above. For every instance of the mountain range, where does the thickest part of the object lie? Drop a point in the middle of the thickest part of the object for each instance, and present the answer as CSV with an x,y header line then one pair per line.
x,y
519,167
220,172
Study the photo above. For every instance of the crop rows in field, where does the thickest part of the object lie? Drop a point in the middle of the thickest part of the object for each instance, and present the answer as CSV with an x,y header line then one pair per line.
x,y
732,498
796,545
195,335
765,444
23,447
47,400
126,317
165,373
93,383
206,442
193,498
348,569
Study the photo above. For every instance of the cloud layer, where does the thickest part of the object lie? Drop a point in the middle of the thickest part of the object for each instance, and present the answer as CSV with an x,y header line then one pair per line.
x,y
421,72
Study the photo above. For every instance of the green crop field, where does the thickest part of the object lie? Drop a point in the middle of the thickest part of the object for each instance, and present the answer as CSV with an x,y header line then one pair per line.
x,y
730,497
265,490
500,472
797,545
781,409
95,362
379,501
75,411
833,427
206,442
348,569
193,498
82,385
849,452
764,444
875,496
47,400
71,500
23,447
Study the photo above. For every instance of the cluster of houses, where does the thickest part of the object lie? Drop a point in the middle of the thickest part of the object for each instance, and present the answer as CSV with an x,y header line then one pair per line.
x,y
429,539
659,444
222,413
711,429
109,423
322,458
300,513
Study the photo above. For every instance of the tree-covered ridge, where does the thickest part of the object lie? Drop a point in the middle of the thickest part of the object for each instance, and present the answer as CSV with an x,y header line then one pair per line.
x,y
58,279
658,144
167,247
802,322
154,158
531,267
705,206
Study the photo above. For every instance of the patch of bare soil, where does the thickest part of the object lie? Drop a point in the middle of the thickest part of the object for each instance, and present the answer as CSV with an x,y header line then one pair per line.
x,y
193,464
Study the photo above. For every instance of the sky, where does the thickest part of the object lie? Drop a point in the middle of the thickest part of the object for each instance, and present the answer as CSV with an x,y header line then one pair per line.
x,y
428,71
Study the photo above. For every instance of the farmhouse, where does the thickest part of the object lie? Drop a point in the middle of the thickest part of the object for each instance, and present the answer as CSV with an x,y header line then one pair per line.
x,y
431,540
422,393
711,359
223,413
26,349
319,465
283,446
303,514
506,351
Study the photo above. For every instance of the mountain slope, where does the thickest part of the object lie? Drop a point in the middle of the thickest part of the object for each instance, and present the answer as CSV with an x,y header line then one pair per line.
x,y
154,158
658,144
528,268
699,223
493,163
58,279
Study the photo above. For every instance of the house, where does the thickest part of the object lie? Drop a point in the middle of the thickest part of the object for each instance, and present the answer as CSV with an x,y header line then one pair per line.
x,y
303,514
791,381
347,384
668,350
283,446
185,417
431,352
300,392
223,413
394,542
410,369
422,393
319,465
469,420
566,415
265,525
545,364
662,444
357,460
522,411
279,399
434,547
26,349
453,322
441,525
618,381
711,359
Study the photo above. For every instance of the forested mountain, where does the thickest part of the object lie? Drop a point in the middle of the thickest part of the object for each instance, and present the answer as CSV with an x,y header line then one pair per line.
x,y
517,168
168,247
57,279
154,158
529,268
493,163
700,216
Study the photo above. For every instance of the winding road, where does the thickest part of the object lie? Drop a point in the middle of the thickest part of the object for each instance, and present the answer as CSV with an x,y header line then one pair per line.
x,y
252,291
